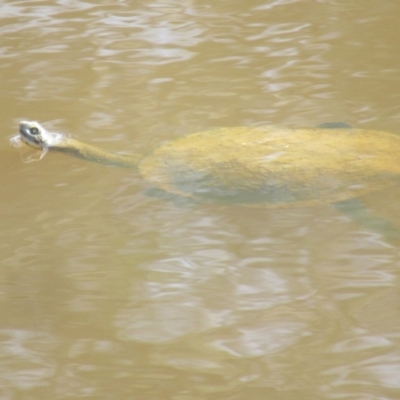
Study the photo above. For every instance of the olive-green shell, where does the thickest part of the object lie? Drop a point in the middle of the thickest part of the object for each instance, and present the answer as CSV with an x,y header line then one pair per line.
x,y
275,167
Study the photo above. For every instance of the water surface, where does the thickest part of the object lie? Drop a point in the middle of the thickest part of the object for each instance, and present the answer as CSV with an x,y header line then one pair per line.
x,y
106,292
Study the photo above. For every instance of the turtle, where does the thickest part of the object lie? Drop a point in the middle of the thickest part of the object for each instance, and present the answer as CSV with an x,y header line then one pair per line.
x,y
267,167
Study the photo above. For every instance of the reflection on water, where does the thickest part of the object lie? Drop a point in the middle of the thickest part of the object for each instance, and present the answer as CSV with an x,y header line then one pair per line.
x,y
108,293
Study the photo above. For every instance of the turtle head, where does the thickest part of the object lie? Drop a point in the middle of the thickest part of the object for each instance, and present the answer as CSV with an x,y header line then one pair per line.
x,y
33,134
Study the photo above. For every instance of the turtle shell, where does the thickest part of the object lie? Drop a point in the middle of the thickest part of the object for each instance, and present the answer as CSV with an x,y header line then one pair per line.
x,y
274,167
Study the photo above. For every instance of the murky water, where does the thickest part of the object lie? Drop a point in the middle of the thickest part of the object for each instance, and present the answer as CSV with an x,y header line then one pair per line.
x,y
108,293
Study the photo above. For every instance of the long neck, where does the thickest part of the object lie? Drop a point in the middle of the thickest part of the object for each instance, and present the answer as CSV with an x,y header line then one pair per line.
x,y
92,153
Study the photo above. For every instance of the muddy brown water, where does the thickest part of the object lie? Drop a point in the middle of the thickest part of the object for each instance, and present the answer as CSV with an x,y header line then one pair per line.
x,y
107,293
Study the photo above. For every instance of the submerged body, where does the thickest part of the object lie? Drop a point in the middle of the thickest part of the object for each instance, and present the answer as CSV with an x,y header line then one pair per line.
x,y
262,167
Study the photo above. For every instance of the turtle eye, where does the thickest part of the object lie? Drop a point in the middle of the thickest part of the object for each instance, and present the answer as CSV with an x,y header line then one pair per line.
x,y
34,131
